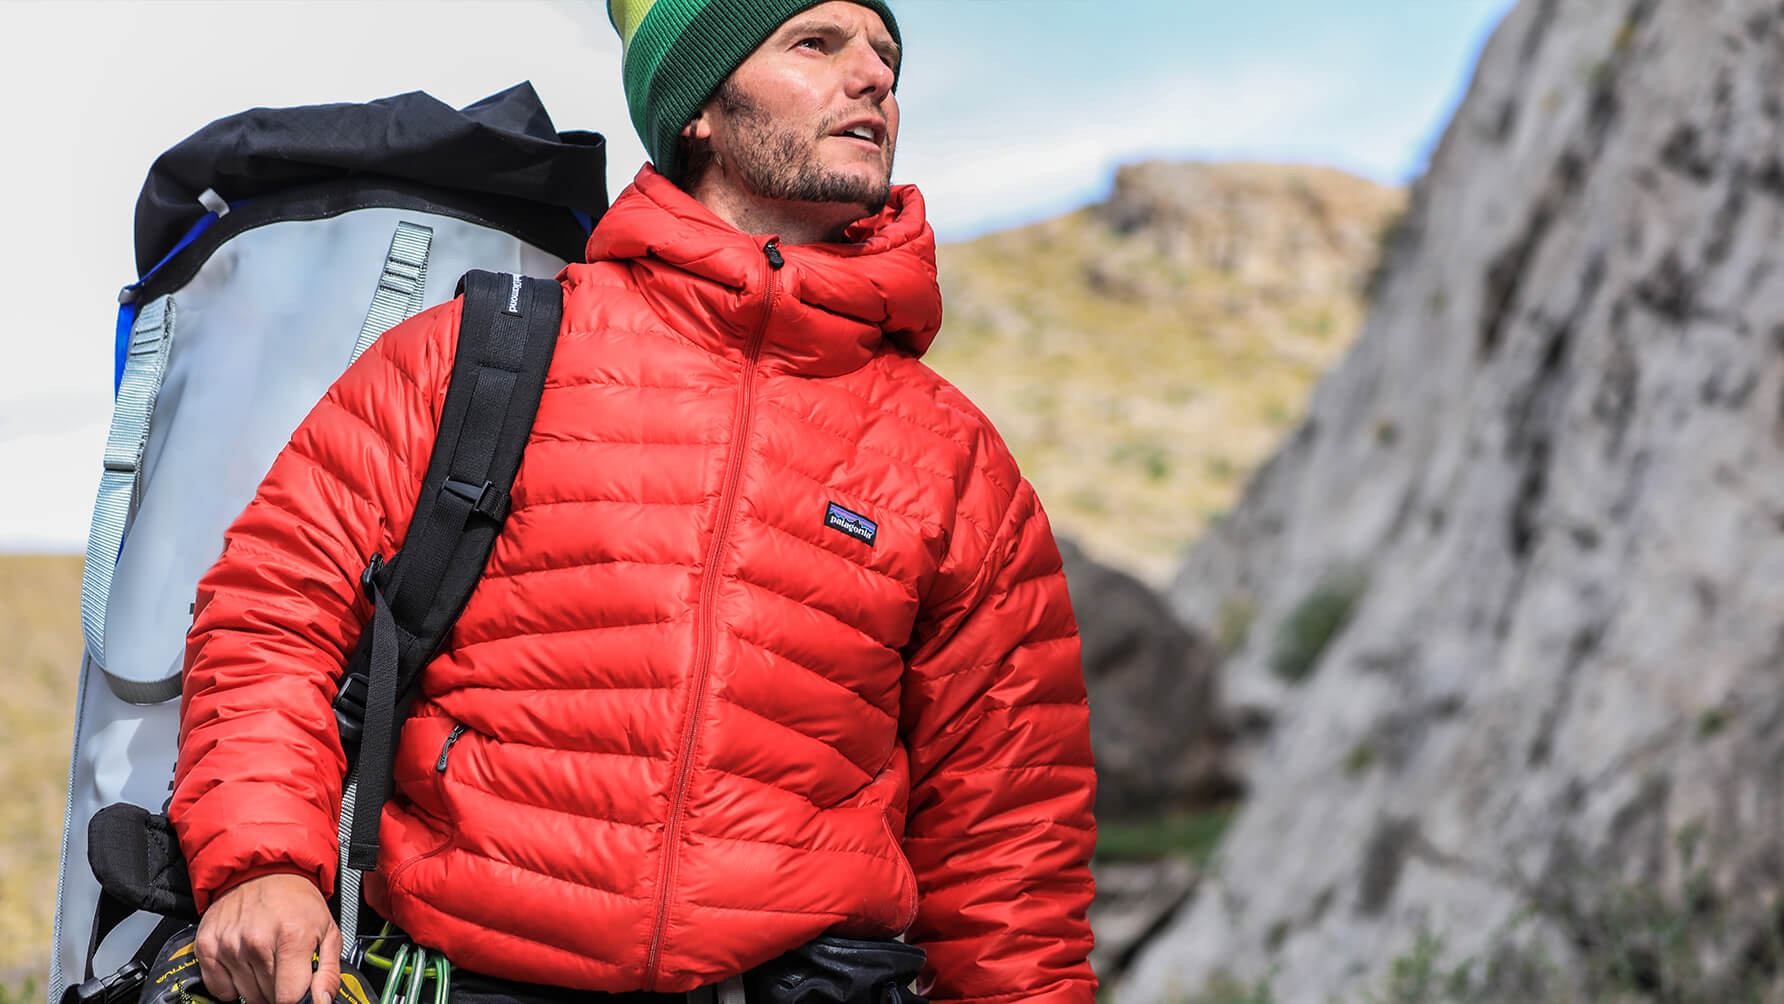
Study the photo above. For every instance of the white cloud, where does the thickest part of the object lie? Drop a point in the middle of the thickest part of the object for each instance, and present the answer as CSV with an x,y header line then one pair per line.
x,y
1045,159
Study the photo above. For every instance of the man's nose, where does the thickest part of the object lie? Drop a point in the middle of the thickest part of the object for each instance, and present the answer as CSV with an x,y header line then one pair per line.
x,y
869,74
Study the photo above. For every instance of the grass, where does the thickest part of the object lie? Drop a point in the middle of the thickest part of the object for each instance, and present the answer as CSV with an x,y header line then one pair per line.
x,y
1139,380
40,620
25,992
1193,835
1224,989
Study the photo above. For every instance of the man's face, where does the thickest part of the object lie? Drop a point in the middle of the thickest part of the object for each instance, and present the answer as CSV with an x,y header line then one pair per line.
x,y
810,115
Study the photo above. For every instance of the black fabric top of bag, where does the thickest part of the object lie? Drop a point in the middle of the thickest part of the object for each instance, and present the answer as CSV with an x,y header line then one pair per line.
x,y
503,145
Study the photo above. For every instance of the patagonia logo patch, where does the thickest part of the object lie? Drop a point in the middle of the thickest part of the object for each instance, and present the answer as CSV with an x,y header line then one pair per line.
x,y
852,523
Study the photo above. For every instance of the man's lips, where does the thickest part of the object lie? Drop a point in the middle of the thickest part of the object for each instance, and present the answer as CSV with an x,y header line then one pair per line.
x,y
856,141
869,131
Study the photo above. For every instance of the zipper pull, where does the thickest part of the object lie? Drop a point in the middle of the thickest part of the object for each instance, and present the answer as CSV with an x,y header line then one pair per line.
x,y
446,751
368,579
772,250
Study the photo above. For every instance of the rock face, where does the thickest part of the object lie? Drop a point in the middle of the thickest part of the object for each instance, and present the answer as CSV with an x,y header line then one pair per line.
x,y
1514,592
1138,660
1132,900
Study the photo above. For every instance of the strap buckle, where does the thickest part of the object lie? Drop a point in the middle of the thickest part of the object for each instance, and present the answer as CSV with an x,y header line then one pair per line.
x,y
349,709
486,500
123,985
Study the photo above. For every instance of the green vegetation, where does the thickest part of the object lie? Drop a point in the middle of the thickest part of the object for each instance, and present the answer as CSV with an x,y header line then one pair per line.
x,y
24,993
1193,835
1232,622
1680,941
40,600
1314,622
1712,721
1224,989
1393,232
1360,758
1419,977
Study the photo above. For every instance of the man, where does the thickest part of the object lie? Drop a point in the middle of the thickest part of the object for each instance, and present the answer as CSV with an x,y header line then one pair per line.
x,y
774,643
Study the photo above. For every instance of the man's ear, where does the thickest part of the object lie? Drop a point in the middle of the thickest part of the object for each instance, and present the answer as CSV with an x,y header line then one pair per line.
x,y
700,126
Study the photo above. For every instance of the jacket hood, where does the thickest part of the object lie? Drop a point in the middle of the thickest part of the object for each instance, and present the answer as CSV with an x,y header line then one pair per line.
x,y
848,296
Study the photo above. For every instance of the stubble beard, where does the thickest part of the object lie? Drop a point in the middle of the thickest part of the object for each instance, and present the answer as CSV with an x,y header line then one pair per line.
x,y
776,163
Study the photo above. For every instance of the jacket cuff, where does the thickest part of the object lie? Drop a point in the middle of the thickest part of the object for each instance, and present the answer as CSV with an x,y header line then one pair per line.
x,y
249,874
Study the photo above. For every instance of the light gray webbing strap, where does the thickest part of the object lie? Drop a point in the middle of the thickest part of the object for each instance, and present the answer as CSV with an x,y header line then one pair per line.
x,y
120,485
347,877
397,298
400,286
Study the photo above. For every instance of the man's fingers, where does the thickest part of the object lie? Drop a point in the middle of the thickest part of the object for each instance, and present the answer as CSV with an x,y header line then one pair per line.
x,y
292,955
258,938
241,980
255,979
327,979
215,976
208,946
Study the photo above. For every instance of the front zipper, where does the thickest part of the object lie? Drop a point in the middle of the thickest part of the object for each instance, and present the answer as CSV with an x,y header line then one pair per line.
x,y
452,739
703,657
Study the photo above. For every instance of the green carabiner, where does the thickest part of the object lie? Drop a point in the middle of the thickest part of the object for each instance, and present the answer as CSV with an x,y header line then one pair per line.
x,y
442,979
398,960
417,976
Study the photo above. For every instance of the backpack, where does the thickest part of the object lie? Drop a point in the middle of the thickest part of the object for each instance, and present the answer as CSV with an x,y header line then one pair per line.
x,y
274,246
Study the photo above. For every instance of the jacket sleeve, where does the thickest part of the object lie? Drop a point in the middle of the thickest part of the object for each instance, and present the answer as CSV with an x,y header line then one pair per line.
x,y
1000,828
257,785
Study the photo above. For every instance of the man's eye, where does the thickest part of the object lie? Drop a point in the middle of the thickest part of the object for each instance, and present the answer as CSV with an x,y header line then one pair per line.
x,y
813,42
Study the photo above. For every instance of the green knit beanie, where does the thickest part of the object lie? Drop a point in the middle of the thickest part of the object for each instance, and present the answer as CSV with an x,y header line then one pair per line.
x,y
678,52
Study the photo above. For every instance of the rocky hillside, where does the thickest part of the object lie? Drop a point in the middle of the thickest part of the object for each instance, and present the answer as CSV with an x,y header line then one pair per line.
x,y
1514,590
1143,355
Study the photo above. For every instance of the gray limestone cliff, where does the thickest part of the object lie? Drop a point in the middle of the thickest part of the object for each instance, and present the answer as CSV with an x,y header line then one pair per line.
x,y
1512,597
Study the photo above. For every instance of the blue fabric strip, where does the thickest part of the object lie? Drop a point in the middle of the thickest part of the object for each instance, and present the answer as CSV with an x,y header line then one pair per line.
x,y
126,320
127,311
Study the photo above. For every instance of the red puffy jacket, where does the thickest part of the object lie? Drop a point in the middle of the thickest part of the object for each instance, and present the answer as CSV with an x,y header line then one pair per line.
x,y
701,723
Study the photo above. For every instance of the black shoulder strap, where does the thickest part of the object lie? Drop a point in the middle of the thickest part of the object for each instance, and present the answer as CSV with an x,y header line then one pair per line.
x,y
506,339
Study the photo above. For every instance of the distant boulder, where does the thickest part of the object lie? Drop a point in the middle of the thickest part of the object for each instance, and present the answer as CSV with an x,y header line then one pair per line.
x,y
1152,682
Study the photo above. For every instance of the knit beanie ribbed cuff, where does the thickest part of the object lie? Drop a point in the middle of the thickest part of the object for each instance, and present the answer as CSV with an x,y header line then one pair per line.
x,y
680,51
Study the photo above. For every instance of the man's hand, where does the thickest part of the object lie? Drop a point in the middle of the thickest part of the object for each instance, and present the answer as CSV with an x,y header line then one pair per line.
x,y
257,940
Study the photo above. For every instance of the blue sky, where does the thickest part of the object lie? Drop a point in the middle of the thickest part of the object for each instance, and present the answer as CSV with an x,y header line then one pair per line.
x,y
1072,91
1014,110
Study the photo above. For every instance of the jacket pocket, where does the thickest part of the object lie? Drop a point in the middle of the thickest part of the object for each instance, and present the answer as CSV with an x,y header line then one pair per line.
x,y
907,878
417,818
444,841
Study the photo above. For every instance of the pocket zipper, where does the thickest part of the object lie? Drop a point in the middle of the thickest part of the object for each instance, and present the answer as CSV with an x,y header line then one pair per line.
x,y
446,750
